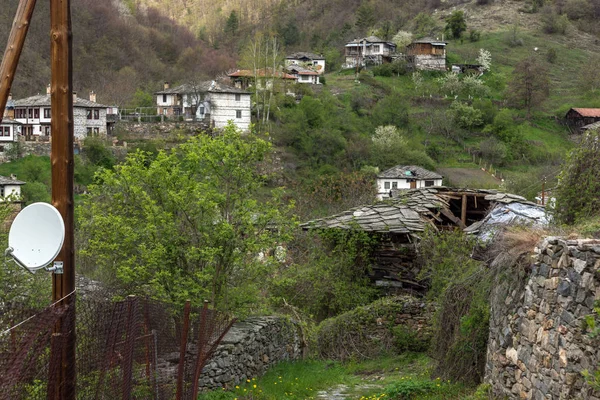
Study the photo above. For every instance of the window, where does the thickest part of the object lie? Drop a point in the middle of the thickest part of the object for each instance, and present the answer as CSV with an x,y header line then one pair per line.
x,y
36,113
96,131
96,114
1,191
394,185
5,131
202,110
386,185
376,48
89,131
30,112
47,130
238,97
305,77
238,113
46,113
89,114
429,183
164,98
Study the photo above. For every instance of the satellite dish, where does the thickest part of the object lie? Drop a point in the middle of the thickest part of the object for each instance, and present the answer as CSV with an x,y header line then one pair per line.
x,y
36,237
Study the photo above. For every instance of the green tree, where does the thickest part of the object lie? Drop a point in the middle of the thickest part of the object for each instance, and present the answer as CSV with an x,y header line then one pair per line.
x,y
578,192
424,25
465,116
365,17
456,24
187,224
232,23
530,84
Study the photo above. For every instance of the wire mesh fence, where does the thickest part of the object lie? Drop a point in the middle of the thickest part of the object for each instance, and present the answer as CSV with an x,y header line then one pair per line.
x,y
131,349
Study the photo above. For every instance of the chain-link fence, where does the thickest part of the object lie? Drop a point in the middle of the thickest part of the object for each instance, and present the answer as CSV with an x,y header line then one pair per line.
x,y
131,349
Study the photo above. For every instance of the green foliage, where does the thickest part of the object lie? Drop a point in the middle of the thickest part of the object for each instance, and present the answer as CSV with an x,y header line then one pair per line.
x,y
461,286
411,388
142,98
329,275
365,17
474,35
465,116
578,192
375,329
424,25
232,23
390,147
552,22
187,224
456,24
551,55
290,33
97,152
14,151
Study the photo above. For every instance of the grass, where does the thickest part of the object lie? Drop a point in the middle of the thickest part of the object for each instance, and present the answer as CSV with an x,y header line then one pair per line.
x,y
389,377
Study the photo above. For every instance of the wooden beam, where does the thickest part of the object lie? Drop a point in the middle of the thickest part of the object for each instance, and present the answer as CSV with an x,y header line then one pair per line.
x,y
61,90
448,214
463,210
14,47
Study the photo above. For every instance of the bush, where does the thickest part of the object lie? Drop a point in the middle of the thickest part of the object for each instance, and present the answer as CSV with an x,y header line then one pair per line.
x,y
551,55
552,22
465,116
474,35
578,192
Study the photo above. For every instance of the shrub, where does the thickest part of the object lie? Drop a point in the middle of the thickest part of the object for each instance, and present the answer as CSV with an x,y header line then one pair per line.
x,y
465,116
456,24
474,35
551,55
552,22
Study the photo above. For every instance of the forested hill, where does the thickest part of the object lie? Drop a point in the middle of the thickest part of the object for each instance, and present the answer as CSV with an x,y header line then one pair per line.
x,y
116,52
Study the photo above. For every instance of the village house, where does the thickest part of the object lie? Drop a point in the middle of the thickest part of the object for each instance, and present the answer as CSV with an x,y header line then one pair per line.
x,y
303,75
307,60
206,101
9,127
427,54
244,78
33,113
10,189
368,51
582,118
405,177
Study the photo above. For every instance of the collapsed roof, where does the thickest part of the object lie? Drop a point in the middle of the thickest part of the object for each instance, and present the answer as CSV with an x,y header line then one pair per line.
x,y
410,211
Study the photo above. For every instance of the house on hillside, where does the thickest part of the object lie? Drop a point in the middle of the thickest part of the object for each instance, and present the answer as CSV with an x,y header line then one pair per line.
x,y
368,51
309,61
206,101
303,75
9,127
582,117
427,54
405,177
10,189
244,78
34,115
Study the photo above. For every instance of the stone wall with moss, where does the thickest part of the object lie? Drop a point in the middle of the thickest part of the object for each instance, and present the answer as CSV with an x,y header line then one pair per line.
x,y
540,344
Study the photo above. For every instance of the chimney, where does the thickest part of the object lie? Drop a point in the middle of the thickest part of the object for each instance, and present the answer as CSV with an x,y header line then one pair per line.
x,y
10,96
48,90
166,85
92,96
13,177
74,97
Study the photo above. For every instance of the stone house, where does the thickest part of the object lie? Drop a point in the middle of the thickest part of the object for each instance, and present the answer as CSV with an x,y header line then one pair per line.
x,y
34,115
244,78
427,54
10,189
368,51
309,61
405,177
206,101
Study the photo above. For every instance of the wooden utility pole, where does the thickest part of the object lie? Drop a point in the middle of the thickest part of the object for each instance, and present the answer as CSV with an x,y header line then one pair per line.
x,y
14,47
62,178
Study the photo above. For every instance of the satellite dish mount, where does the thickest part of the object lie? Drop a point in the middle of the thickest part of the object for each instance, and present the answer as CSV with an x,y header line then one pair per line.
x,y
36,237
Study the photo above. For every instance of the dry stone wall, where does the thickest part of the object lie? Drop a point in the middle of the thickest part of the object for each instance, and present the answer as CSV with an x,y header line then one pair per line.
x,y
539,344
249,349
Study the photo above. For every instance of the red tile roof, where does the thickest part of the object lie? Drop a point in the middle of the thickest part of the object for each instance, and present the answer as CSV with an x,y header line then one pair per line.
x,y
588,112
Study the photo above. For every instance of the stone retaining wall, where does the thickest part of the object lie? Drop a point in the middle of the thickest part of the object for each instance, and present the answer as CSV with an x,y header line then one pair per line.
x,y
249,349
538,344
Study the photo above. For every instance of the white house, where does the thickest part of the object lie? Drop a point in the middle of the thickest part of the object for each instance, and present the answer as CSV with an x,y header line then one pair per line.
x,y
34,113
303,75
307,60
405,177
9,130
206,101
10,189
370,50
